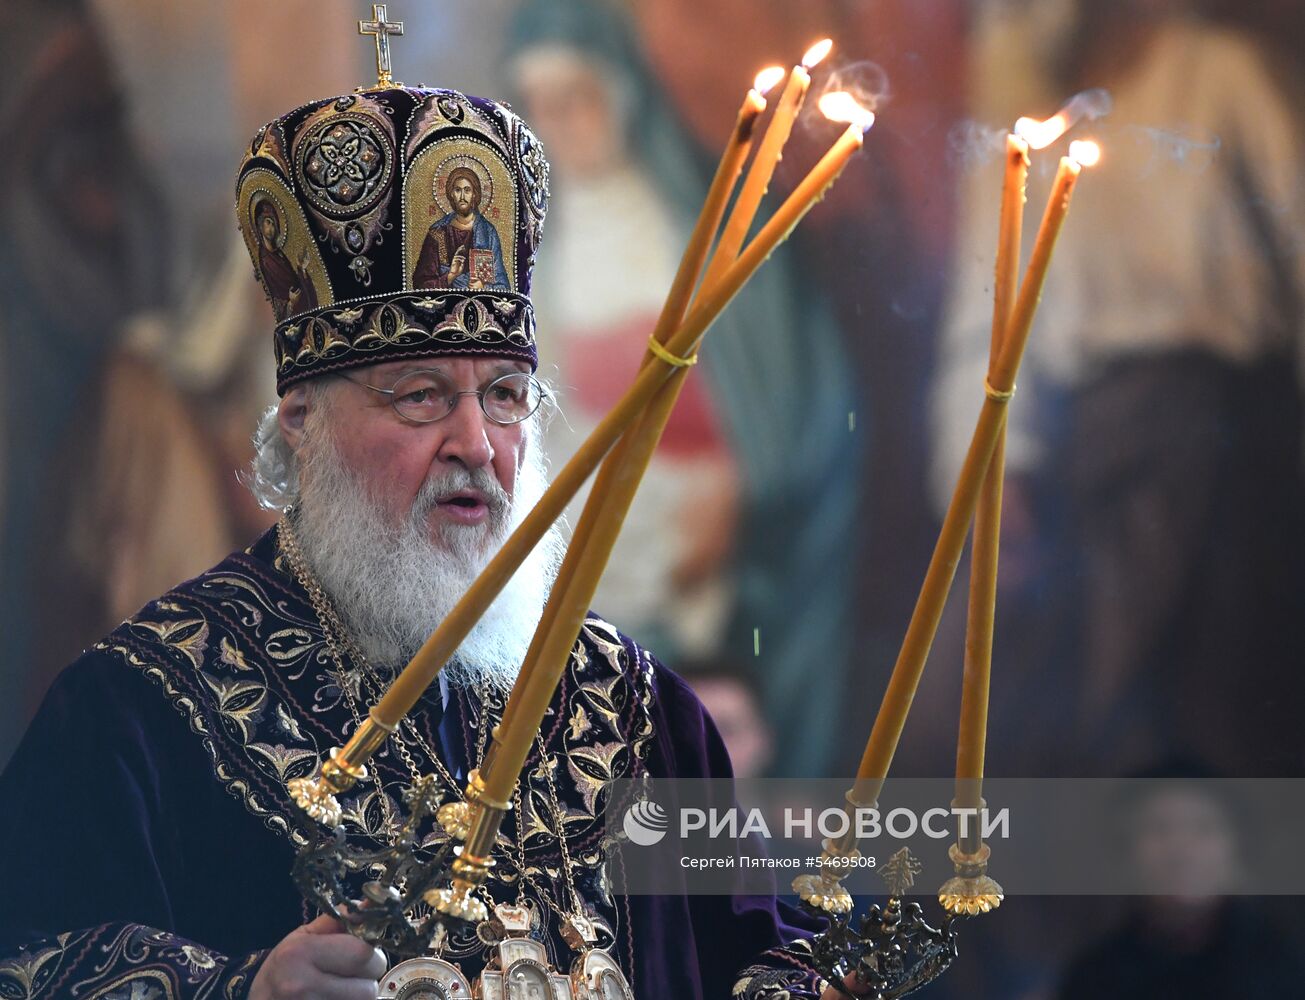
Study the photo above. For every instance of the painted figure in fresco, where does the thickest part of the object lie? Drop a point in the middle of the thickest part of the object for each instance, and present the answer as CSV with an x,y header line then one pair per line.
x,y
290,287
462,250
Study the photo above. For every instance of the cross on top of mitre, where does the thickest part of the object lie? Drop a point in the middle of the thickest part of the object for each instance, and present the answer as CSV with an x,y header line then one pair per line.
x,y
381,30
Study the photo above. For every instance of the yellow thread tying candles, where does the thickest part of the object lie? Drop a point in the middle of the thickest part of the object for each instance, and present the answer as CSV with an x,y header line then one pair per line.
x,y
998,395
673,360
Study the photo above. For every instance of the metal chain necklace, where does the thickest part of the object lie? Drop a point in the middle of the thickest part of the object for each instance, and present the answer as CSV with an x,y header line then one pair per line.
x,y
568,869
337,636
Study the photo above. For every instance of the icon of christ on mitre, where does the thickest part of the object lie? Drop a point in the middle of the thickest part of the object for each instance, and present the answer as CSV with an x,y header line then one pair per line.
x,y
462,249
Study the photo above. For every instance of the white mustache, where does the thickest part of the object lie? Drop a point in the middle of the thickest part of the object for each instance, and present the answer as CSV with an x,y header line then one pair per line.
x,y
457,478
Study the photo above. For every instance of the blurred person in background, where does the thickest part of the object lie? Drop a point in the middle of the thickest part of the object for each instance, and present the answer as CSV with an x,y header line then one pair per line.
x,y
729,693
1191,937
1153,508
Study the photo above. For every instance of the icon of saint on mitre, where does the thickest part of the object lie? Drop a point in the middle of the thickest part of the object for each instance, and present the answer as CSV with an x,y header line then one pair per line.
x,y
462,249
289,285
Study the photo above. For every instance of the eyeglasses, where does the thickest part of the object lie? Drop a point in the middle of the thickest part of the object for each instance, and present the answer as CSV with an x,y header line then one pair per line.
x,y
429,395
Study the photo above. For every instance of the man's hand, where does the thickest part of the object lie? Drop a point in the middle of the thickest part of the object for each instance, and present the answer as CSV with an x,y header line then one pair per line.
x,y
321,961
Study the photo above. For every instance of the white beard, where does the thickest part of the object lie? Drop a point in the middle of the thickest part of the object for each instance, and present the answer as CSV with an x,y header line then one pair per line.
x,y
392,585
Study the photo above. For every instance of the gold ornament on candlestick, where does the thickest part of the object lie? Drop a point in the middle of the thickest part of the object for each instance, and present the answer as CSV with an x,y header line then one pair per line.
x,y
825,890
343,769
970,891
473,860
454,818
891,950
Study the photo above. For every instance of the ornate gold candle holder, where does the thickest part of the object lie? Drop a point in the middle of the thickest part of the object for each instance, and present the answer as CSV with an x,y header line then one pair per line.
x,y
477,824
825,891
343,769
970,891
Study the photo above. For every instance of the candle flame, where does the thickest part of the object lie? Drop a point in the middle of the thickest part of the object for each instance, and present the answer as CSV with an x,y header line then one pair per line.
x,y
840,106
767,78
1089,104
1042,134
817,52
1085,151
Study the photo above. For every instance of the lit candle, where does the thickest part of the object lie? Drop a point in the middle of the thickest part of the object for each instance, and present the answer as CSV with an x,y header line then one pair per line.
x,y
1041,134
769,153
972,736
677,301
891,717
606,509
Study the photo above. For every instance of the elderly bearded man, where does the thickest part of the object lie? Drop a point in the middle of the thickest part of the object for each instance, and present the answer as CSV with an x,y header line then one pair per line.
x,y
148,835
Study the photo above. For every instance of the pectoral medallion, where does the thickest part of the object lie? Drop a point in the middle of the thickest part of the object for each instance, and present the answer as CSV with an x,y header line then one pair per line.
x,y
425,978
521,972
595,974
